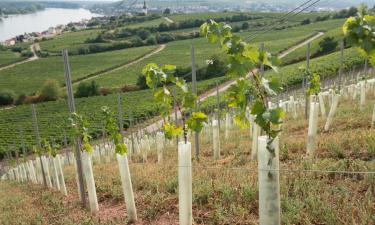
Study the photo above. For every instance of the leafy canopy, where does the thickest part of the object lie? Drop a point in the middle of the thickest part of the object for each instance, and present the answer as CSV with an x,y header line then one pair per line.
x,y
186,101
244,58
360,31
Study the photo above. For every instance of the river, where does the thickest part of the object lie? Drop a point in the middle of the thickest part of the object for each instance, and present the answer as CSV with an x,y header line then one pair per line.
x,y
36,22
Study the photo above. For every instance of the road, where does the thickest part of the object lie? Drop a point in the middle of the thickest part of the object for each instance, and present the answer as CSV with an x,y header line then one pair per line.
x,y
156,126
32,58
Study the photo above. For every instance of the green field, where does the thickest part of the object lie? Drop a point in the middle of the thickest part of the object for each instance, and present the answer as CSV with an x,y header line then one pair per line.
x,y
8,57
71,41
178,53
29,77
53,116
325,66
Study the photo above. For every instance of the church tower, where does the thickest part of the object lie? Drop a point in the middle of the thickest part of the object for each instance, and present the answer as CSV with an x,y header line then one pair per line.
x,y
144,7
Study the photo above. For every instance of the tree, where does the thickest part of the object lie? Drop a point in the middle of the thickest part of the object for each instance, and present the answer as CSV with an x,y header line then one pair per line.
x,y
245,26
50,91
305,21
167,11
151,40
6,97
327,45
87,89
143,34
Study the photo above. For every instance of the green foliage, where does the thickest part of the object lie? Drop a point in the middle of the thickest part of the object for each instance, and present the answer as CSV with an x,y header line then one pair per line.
x,y
327,45
313,81
37,151
50,91
171,131
6,97
243,60
360,31
196,121
52,150
164,75
86,89
80,130
112,128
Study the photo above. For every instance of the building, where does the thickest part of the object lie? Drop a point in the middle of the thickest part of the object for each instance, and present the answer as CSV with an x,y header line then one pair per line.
x,y
144,9
10,42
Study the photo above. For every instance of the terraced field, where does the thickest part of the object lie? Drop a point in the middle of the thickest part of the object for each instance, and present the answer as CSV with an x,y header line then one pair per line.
x,y
53,116
29,77
178,52
8,57
71,41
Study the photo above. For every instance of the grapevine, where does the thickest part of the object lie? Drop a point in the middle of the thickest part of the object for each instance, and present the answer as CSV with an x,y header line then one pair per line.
x,y
80,130
164,76
244,58
359,31
113,130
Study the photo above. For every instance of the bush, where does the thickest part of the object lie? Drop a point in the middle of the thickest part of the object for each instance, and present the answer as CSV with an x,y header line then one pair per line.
x,y
87,89
305,21
26,53
245,26
327,45
143,34
20,99
6,97
105,91
136,41
16,49
151,41
129,88
50,91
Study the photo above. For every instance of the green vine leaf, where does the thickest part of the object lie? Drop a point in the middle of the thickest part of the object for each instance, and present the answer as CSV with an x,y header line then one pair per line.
x,y
170,130
196,121
114,132
360,31
80,130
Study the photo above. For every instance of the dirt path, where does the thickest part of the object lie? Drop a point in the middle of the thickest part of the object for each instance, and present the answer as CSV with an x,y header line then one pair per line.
x,y
304,43
168,20
223,87
148,55
32,58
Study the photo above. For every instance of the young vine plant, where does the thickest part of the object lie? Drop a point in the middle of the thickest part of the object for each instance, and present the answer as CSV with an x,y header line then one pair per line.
x,y
80,131
112,128
313,81
163,76
52,150
244,58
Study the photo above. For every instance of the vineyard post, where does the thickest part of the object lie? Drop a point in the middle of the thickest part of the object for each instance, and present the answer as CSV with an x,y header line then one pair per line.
x,y
305,80
175,110
66,146
194,87
36,131
22,143
120,115
341,63
218,104
131,132
216,139
72,109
